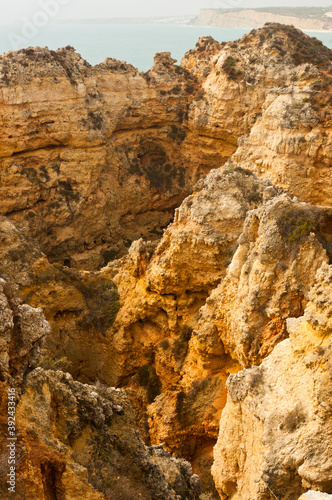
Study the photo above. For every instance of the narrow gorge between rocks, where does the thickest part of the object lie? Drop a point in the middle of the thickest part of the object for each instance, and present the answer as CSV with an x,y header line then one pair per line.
x,y
166,272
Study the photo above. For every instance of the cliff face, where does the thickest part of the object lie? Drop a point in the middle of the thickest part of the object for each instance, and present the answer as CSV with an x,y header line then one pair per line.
x,y
276,427
250,18
108,159
72,440
93,158
89,146
264,89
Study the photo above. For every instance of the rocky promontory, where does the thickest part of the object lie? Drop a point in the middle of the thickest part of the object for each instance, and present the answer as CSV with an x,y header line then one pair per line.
x,y
165,272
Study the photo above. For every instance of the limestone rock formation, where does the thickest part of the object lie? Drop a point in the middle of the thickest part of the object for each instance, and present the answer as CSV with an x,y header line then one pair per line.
x,y
22,333
73,440
95,162
79,441
315,495
268,279
82,146
270,91
93,158
212,297
275,431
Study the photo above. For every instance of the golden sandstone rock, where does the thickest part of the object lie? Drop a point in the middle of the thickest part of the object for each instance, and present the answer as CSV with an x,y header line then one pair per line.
x,y
219,323
276,427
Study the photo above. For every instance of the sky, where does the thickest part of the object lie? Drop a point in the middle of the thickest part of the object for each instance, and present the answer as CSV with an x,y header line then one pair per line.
x,y
15,10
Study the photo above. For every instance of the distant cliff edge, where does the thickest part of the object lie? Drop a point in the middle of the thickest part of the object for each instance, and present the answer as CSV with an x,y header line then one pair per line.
x,y
316,19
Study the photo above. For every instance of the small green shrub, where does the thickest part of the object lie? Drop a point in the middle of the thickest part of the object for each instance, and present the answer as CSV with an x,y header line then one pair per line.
x,y
177,134
295,224
294,420
229,68
180,345
244,171
123,491
200,95
102,299
49,363
97,120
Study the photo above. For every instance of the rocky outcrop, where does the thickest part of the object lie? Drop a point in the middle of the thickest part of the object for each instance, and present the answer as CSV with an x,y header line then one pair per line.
x,y
72,440
251,18
89,156
268,280
79,441
22,333
107,161
315,495
212,297
93,158
275,429
269,92
166,286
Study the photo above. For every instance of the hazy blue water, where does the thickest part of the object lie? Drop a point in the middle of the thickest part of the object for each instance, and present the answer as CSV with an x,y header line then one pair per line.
x,y
135,44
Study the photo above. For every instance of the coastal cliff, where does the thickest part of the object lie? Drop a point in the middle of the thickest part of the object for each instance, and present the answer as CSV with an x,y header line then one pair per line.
x,y
256,18
166,249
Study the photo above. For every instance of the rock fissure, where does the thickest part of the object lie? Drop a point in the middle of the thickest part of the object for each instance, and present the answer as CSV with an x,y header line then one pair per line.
x,y
186,231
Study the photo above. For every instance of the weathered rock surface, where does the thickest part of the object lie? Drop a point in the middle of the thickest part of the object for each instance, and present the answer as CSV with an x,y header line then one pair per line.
x,y
93,158
73,440
79,441
268,279
107,160
23,330
214,296
89,156
275,432
270,90
79,307
315,495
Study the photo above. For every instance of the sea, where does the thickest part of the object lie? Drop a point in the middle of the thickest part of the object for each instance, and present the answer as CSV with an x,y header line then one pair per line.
x,y
133,43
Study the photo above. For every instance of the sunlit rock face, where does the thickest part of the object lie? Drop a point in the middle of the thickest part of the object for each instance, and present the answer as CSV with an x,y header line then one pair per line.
x,y
93,158
275,429
271,89
159,232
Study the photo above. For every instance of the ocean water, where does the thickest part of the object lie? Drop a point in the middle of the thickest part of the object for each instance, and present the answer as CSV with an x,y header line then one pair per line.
x,y
135,44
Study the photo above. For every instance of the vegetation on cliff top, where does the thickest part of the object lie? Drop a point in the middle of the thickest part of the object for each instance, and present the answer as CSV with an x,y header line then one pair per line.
x,y
300,12
300,47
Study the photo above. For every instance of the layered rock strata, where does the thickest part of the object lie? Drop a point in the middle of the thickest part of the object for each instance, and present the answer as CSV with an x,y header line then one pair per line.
x,y
214,296
107,160
93,158
72,440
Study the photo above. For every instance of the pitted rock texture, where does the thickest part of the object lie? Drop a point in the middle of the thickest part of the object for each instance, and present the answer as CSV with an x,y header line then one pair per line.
x,y
161,290
79,441
80,307
315,495
268,280
238,253
270,91
212,297
93,158
23,330
275,431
